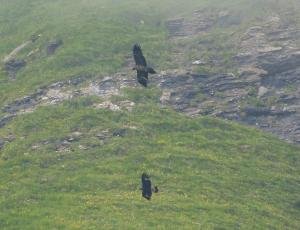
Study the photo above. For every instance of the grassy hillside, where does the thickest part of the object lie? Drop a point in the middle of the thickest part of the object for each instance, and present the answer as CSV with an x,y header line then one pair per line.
x,y
211,174
66,170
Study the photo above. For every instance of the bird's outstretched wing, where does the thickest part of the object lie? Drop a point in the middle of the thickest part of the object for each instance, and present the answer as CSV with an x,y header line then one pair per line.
x,y
142,77
138,56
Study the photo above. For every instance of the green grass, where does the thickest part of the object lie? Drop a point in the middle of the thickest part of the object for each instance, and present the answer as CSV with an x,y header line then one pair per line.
x,y
212,174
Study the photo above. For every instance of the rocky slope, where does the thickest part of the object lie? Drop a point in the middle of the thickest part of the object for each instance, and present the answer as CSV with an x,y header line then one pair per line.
x,y
264,92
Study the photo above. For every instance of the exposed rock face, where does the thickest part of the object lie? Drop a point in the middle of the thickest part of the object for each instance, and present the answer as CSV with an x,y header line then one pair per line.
x,y
21,104
220,95
228,97
200,22
61,91
206,94
5,120
51,94
273,48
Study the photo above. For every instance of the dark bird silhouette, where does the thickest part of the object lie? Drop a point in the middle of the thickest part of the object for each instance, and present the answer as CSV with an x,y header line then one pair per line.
x,y
141,66
147,188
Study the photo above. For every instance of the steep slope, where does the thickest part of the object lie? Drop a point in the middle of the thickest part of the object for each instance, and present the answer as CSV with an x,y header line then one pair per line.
x,y
77,132
243,38
75,166
260,60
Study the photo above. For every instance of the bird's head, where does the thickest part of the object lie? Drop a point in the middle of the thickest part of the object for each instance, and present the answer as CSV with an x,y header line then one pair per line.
x,y
145,176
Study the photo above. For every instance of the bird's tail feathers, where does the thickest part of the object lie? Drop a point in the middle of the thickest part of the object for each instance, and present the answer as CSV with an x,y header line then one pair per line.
x,y
143,81
150,70
155,189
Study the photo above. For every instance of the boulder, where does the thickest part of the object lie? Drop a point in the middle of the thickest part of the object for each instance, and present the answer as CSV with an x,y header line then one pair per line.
x,y
119,133
13,66
52,46
262,91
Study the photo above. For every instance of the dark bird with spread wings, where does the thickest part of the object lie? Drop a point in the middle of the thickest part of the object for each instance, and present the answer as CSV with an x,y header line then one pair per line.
x,y
141,66
146,187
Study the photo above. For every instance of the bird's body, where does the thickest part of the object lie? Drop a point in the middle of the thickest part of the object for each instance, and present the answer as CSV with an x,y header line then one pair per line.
x,y
146,187
141,66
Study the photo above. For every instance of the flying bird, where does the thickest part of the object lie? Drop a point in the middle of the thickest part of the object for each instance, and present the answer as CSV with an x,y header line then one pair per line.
x,y
146,187
141,66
